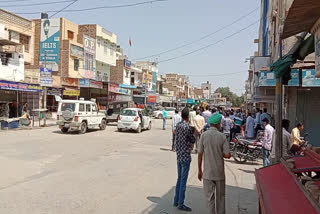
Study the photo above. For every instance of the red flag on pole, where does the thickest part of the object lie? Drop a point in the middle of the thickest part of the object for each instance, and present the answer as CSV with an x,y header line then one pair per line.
x,y
130,42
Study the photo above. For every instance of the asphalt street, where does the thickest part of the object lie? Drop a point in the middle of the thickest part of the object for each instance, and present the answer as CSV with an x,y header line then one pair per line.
x,y
103,172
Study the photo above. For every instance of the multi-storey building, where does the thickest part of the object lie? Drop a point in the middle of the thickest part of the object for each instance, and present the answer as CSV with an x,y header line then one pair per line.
x,y
206,87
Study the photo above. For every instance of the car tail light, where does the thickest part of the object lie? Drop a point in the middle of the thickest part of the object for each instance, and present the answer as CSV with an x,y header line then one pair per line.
x,y
58,117
118,117
136,119
76,118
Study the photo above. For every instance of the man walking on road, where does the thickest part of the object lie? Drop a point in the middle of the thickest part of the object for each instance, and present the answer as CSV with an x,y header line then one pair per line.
x,y
214,147
175,120
164,116
206,114
199,124
267,141
227,125
184,144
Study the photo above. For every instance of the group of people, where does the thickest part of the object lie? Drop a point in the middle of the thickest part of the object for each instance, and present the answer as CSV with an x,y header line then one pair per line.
x,y
212,147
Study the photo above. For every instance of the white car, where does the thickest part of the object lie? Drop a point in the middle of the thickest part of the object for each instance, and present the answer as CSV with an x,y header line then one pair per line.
x,y
130,118
170,113
80,115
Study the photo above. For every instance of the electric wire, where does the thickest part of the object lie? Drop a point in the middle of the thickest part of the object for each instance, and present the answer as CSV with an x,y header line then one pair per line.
x,y
37,4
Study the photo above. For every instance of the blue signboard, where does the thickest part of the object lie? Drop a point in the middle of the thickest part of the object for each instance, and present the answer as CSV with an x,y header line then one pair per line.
x,y
49,43
16,86
127,86
183,101
309,78
294,78
127,63
267,78
190,101
45,77
84,83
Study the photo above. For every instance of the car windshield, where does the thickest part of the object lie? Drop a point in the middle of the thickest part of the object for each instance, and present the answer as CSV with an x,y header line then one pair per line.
x,y
129,112
70,106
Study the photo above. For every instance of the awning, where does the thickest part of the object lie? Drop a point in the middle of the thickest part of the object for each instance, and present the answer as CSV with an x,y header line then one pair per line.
x,y
302,15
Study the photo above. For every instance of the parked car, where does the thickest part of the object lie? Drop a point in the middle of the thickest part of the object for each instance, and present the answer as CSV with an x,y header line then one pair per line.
x,y
80,115
170,112
129,119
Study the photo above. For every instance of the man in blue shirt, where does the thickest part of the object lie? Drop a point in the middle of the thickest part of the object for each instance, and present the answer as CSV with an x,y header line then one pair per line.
x,y
164,117
184,145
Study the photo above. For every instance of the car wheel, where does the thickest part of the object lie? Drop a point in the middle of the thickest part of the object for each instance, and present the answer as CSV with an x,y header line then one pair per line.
x,y
138,129
119,130
64,130
149,127
160,116
83,128
103,125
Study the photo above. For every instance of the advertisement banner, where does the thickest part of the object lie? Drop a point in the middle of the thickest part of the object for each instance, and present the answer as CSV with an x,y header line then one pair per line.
x,y
85,83
124,91
267,78
89,57
49,43
20,86
96,84
113,87
309,79
45,77
54,91
189,101
76,51
154,81
294,78
152,99
71,92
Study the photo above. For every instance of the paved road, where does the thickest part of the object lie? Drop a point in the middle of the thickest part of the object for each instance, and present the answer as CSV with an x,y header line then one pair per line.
x,y
44,172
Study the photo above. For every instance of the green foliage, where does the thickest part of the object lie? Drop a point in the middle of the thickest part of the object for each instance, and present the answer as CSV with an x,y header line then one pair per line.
x,y
232,97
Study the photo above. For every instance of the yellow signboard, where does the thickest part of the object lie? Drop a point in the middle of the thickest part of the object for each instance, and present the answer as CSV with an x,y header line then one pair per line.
x,y
71,92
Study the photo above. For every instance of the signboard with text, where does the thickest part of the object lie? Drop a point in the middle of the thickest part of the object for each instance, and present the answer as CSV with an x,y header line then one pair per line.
x,y
19,86
294,78
309,79
49,43
45,77
89,57
267,78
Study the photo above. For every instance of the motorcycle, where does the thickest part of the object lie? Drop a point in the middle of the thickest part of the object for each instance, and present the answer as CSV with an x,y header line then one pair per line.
x,y
245,150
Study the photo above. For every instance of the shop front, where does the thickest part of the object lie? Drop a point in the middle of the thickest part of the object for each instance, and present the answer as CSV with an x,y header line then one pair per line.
x,y
71,88
91,89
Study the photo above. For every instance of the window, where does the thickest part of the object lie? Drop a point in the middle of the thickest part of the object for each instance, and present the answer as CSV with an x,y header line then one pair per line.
x,y
88,107
105,49
127,73
94,108
76,64
70,35
81,107
69,106
111,52
132,73
129,112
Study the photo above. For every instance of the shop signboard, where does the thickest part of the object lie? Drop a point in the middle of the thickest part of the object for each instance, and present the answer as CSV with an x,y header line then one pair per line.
x,y
152,99
113,87
267,78
96,84
84,83
124,91
76,51
49,43
183,100
71,92
45,77
190,101
309,79
89,57
294,78
7,85
54,91
317,52
127,63
70,82
119,98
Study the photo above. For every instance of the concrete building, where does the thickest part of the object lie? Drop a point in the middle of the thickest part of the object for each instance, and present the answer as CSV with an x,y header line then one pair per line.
x,y
16,47
106,49
207,88
219,100
150,74
198,93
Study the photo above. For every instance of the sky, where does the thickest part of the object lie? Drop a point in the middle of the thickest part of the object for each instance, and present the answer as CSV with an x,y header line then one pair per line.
x,y
160,26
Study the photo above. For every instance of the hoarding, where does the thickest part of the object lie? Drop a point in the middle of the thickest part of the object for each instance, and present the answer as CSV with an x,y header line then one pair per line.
x,y
76,51
309,79
70,82
45,77
16,86
84,83
54,91
189,101
154,81
89,58
96,84
127,63
267,78
49,43
294,78
71,93
152,99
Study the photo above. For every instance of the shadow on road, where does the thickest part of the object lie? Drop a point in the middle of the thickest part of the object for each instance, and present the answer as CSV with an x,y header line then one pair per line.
x,y
195,198
246,163
74,132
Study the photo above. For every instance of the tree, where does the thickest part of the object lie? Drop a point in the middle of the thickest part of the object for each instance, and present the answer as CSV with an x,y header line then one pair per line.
x,y
232,97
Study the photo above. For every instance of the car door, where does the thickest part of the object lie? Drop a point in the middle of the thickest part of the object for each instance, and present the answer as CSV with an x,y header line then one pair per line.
x,y
95,119
88,114
146,119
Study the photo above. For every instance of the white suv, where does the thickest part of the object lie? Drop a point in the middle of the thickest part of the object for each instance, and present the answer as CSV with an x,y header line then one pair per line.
x,y
80,115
